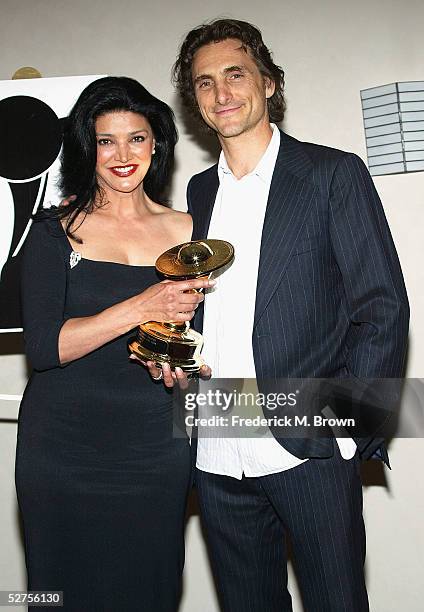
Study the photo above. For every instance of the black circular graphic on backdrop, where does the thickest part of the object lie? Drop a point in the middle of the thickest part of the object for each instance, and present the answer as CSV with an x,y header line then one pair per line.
x,y
31,137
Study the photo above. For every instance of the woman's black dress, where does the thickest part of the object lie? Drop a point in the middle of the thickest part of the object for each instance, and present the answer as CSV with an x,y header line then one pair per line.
x,y
101,479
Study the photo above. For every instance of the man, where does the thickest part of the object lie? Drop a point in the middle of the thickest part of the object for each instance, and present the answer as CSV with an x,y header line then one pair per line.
x,y
315,291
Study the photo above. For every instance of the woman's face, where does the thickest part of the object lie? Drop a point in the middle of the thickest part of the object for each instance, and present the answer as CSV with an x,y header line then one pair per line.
x,y
124,150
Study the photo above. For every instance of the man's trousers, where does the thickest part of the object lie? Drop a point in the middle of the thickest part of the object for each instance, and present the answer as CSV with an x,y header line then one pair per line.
x,y
318,505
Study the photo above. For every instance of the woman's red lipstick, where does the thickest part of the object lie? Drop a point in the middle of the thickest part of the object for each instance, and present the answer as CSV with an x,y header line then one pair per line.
x,y
124,171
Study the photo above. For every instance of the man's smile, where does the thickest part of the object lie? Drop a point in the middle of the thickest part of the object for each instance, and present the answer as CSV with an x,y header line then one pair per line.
x,y
224,112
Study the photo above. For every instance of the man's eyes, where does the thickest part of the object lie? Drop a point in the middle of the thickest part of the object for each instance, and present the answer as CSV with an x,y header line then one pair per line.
x,y
204,84
234,76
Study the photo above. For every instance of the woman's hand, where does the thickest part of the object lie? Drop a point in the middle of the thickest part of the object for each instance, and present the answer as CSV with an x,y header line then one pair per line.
x,y
174,301
164,301
169,377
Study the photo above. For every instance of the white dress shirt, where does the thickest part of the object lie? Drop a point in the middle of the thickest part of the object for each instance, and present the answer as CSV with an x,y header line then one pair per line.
x,y
238,217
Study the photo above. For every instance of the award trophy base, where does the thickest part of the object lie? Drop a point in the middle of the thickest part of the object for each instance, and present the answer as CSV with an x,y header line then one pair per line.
x,y
175,343
171,342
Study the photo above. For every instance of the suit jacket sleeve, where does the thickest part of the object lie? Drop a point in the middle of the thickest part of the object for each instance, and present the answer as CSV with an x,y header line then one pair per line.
x,y
372,278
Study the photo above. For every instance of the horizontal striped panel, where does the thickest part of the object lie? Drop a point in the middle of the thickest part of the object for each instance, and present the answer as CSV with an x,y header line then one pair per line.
x,y
386,119
411,86
382,130
393,117
418,116
387,169
415,166
383,110
415,145
414,155
411,96
383,140
381,100
378,91
385,149
413,126
378,160
412,106
410,136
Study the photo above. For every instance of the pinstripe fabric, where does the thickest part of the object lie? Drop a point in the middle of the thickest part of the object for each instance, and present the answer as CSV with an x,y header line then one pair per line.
x,y
330,302
319,504
330,298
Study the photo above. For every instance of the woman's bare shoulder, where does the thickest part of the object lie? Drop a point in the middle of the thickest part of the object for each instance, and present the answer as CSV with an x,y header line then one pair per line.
x,y
175,216
178,216
178,222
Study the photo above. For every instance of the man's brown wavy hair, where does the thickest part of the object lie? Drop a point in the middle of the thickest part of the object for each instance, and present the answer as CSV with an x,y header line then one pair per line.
x,y
251,40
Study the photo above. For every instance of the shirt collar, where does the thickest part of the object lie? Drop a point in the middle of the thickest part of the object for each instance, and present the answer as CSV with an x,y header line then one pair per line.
x,y
266,164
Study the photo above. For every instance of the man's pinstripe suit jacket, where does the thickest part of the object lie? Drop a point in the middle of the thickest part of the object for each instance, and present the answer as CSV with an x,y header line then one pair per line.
x,y
330,300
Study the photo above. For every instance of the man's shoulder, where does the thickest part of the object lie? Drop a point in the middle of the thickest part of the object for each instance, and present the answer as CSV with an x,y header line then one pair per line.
x,y
308,160
203,178
314,151
318,164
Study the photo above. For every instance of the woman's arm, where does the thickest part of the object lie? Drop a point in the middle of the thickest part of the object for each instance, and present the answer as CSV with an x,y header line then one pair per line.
x,y
164,301
43,293
51,340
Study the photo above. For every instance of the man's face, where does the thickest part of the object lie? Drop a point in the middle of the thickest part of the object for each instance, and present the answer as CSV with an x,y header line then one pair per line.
x,y
230,91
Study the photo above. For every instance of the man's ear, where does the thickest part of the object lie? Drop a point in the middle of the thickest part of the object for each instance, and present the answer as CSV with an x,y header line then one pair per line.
x,y
269,87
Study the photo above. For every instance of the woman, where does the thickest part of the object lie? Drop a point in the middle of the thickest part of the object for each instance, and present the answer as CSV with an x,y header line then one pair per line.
x,y
101,481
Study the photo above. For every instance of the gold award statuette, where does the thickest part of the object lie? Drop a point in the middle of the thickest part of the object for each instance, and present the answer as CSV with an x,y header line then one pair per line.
x,y
176,343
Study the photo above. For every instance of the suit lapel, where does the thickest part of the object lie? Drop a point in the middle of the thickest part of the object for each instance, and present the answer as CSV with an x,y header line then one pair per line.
x,y
204,199
289,203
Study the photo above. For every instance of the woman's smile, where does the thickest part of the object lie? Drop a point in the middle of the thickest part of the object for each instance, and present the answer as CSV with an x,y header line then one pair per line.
x,y
124,171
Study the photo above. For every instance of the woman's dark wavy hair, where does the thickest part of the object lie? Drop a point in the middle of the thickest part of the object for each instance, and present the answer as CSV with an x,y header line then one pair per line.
x,y
251,39
78,161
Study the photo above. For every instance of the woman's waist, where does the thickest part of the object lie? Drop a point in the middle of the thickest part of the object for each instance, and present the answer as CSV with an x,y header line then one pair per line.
x,y
93,415
98,387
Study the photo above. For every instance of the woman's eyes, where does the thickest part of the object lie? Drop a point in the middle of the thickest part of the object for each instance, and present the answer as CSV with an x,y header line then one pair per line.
x,y
107,141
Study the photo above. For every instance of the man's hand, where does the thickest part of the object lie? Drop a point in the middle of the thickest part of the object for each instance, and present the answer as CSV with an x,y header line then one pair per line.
x,y
68,200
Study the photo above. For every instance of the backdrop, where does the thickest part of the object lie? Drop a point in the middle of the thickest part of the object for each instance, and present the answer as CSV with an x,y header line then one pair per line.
x,y
32,113
330,50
